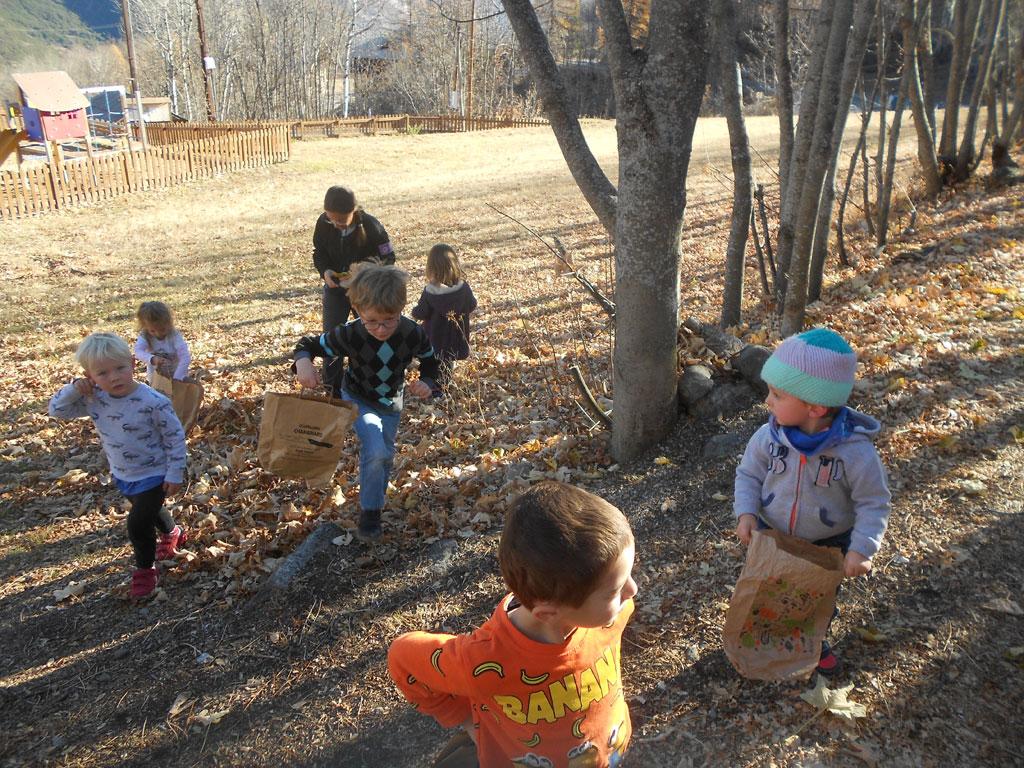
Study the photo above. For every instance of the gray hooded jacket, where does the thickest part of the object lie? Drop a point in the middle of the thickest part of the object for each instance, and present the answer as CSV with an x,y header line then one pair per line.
x,y
840,486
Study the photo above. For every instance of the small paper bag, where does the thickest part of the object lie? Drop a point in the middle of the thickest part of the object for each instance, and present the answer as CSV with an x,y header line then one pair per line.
x,y
301,435
781,607
185,396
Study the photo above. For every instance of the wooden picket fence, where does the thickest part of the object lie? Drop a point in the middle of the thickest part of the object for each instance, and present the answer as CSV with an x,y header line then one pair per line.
x,y
170,133
42,187
302,129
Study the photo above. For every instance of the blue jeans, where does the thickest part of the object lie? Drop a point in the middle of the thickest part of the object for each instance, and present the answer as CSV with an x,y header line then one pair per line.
x,y
376,429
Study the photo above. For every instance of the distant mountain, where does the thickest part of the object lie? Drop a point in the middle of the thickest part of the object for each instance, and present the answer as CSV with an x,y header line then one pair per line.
x,y
101,16
29,24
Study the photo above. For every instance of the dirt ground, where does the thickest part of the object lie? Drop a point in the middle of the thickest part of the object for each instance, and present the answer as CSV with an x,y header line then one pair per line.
x,y
223,670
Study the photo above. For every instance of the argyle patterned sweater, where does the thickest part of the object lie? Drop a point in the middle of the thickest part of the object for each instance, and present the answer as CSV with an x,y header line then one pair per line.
x,y
375,371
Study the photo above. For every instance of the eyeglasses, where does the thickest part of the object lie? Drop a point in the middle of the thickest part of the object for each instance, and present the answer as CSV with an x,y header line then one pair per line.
x,y
383,325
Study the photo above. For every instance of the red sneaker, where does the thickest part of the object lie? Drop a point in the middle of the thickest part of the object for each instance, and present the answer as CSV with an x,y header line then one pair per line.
x,y
167,546
143,583
829,664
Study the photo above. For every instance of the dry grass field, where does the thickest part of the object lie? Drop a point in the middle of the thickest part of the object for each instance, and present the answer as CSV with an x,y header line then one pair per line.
x,y
219,670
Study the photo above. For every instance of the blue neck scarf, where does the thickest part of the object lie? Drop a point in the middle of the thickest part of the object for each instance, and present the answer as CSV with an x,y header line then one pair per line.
x,y
808,445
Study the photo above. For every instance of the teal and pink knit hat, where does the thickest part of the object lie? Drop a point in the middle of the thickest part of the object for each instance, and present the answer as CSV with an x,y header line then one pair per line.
x,y
816,366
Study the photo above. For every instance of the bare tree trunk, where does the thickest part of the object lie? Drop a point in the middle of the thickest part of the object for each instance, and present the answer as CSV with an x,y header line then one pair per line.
x,y
966,156
759,197
658,91
783,92
657,103
865,14
732,92
926,61
1013,123
844,259
766,290
801,147
809,184
965,28
883,103
599,192
910,20
885,199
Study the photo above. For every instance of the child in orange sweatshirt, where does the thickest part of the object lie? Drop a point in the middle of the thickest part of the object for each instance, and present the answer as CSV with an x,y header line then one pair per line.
x,y
540,683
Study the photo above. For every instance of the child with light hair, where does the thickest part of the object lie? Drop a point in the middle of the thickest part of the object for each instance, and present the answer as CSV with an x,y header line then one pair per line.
x,y
159,344
144,444
444,308
540,683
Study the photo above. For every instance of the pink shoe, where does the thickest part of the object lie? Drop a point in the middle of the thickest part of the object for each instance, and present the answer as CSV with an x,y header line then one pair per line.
x,y
167,546
143,583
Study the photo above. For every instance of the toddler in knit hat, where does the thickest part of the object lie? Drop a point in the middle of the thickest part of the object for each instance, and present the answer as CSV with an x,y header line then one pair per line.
x,y
812,471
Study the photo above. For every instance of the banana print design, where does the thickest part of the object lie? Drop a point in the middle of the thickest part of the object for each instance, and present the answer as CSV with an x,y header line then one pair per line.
x,y
617,745
532,742
532,680
576,731
489,666
531,760
435,660
584,756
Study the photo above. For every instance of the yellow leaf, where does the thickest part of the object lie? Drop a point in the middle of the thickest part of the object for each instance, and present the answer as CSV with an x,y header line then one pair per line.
x,y
835,701
663,461
898,383
1018,434
72,590
871,635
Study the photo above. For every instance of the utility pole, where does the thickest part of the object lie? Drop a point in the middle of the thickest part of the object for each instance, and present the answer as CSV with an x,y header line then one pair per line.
x,y
133,70
208,65
469,72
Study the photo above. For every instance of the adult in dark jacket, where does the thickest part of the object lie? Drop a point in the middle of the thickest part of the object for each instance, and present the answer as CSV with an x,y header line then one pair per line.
x,y
344,234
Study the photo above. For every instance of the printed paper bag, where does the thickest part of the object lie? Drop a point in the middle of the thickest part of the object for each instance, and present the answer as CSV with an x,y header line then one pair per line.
x,y
186,397
781,607
301,435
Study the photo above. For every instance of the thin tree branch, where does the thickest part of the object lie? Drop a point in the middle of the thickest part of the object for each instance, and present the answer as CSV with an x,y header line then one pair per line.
x,y
606,304
588,397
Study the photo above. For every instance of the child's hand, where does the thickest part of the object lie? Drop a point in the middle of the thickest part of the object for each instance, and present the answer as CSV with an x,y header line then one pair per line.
x,y
84,387
745,527
419,388
331,278
171,488
307,374
856,564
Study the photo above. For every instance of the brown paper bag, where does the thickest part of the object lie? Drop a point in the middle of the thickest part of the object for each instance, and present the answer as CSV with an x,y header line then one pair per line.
x,y
781,607
301,435
186,397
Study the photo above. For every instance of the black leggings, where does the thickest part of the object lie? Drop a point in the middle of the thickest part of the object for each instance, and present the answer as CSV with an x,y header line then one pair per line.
x,y
336,309
147,514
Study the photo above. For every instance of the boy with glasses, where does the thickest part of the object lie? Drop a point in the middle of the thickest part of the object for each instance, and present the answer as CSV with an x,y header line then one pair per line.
x,y
379,345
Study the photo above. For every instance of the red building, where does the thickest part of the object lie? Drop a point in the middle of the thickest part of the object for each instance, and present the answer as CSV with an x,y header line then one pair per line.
x,y
52,106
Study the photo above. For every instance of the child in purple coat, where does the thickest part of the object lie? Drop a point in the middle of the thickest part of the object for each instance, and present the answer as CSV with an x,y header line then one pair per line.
x,y
444,308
